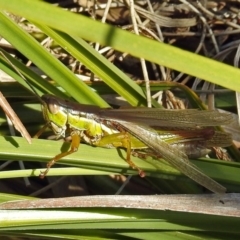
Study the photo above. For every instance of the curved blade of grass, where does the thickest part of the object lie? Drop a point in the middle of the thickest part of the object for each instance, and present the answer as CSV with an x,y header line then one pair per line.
x,y
99,65
104,34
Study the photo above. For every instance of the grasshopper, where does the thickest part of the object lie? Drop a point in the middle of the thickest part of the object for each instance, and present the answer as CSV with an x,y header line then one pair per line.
x,y
139,130
170,134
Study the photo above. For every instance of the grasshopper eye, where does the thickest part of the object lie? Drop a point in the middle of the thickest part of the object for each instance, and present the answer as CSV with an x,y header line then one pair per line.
x,y
53,106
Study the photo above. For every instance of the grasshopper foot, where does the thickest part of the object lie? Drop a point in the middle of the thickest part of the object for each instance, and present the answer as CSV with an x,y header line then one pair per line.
x,y
42,174
141,173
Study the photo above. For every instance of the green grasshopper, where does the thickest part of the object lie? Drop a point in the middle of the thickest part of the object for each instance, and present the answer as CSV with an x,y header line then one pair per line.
x,y
170,134
139,130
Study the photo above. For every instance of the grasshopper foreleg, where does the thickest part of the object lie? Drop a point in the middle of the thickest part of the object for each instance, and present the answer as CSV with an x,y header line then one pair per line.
x,y
74,147
41,131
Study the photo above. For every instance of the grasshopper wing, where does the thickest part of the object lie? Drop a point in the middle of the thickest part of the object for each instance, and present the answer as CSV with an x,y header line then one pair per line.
x,y
189,118
176,158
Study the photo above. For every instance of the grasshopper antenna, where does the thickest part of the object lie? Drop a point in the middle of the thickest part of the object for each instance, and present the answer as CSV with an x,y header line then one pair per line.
x,y
32,88
22,76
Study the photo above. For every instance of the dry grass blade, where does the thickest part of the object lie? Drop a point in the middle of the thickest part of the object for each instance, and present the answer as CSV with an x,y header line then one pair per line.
x,y
224,205
14,118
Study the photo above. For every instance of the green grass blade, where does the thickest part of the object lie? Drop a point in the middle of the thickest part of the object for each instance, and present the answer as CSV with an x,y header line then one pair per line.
x,y
104,34
107,160
99,65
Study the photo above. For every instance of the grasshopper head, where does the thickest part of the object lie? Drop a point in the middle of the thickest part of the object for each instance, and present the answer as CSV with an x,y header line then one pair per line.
x,y
55,114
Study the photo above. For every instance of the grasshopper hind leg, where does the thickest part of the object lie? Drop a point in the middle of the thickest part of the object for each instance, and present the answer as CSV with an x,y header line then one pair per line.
x,y
127,145
74,147
122,140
